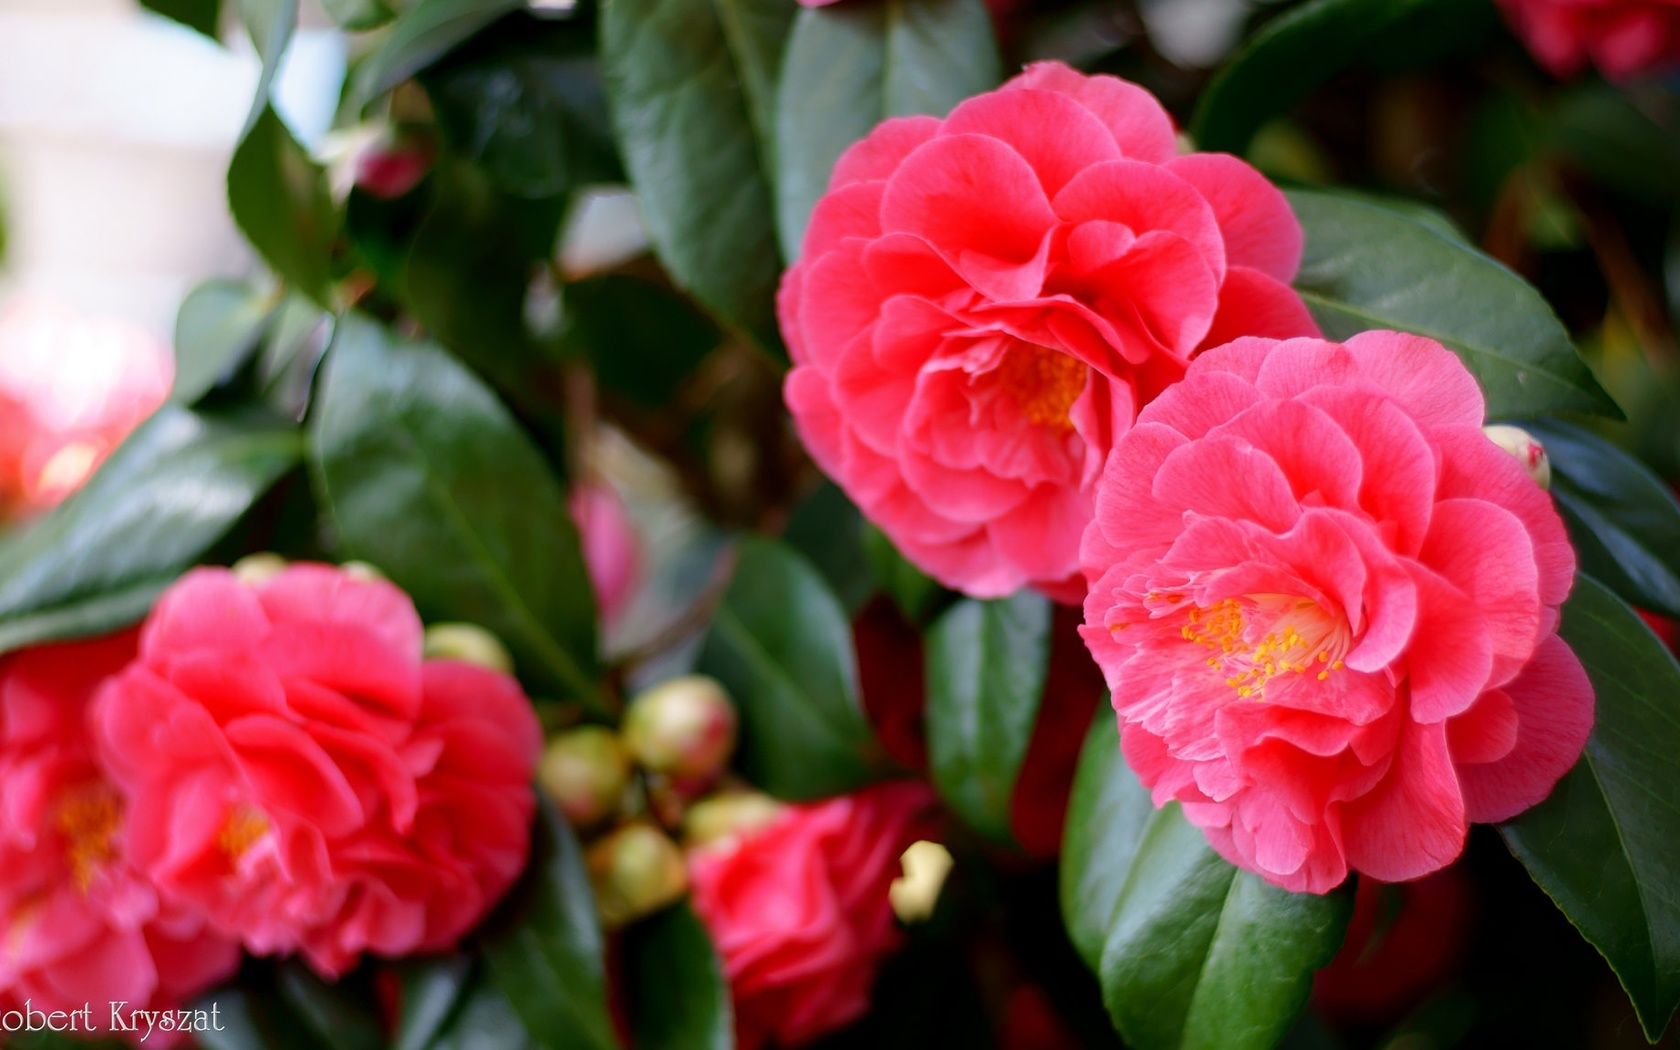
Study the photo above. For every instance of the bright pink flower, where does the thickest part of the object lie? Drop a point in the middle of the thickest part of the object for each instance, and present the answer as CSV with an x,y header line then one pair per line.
x,y
70,391
1326,605
1621,37
611,550
298,773
983,303
78,924
799,912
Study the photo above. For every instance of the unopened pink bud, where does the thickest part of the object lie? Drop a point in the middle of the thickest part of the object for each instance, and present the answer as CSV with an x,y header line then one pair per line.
x,y
586,772
684,728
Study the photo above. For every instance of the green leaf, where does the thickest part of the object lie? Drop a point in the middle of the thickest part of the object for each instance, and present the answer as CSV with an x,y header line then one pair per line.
x,y
986,665
336,1020
524,102
1369,266
271,24
680,993
425,33
486,1021
1107,813
915,594
157,505
357,15
202,15
1306,46
253,1018
781,645
757,32
432,988
1602,844
1624,521
428,477
850,66
1194,953
220,322
681,113
279,198
1606,130
642,340
828,531
546,951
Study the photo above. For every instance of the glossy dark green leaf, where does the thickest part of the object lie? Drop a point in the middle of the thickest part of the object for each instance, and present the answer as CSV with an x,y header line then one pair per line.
x,y
333,1016
757,33
252,1018
426,32
524,102
1107,814
986,665
1624,521
850,66
916,594
158,504
1621,139
217,327
486,1021
202,15
279,198
827,530
358,14
1369,266
428,477
1602,844
271,24
431,991
681,113
643,340
1193,953
781,645
1307,45
680,993
545,950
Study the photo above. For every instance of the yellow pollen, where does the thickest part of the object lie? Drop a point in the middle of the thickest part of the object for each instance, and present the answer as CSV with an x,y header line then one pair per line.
x,y
245,827
89,818
1246,663
1045,383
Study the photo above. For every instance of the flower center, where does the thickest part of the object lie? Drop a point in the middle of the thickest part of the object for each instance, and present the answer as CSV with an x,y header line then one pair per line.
x,y
89,818
245,827
1265,636
1045,383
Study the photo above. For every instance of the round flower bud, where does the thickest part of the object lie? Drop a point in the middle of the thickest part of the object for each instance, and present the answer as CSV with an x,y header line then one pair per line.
x,y
636,871
468,643
1529,452
586,772
254,570
362,572
728,814
684,728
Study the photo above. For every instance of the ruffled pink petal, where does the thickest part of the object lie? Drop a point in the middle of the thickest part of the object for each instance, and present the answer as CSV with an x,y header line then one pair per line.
x,y
877,155
1425,377
1486,553
1451,657
1554,705
1144,198
1261,231
1412,823
1141,128
1253,304
1051,131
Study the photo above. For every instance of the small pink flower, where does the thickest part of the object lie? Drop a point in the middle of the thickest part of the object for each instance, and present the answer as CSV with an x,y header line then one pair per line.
x,y
984,302
296,772
799,911
611,548
70,390
1623,38
1326,604
78,924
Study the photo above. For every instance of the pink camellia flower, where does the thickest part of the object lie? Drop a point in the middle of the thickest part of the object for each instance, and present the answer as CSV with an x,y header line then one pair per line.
x,y
983,303
78,924
296,772
70,390
1326,605
611,549
1621,37
798,910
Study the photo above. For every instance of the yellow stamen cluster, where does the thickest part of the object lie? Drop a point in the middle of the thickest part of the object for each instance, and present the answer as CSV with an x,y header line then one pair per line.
x,y
1224,628
1045,383
89,818
245,827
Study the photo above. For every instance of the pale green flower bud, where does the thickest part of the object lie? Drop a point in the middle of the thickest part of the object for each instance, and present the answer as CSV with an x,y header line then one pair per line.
x,y
586,771
468,643
684,728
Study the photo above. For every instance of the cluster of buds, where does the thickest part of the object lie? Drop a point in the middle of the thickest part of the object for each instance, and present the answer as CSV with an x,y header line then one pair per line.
x,y
635,792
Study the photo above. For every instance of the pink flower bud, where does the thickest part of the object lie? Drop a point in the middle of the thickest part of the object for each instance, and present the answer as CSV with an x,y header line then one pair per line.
x,y
1529,452
393,164
636,871
611,549
586,772
684,728
468,643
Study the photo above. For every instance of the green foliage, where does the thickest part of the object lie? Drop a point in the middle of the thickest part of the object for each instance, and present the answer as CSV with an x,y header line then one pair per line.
x,y
279,198
681,996
427,31
203,15
219,324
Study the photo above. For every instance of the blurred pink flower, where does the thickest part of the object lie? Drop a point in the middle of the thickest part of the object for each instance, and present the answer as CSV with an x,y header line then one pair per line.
x,y
299,774
611,548
78,924
1622,38
70,390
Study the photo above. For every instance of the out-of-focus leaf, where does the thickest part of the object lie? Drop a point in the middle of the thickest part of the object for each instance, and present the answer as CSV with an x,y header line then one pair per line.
x,y
828,531
681,112
428,477
545,949
1107,813
157,505
1602,128
916,595
1602,844
850,66
279,198
356,15
425,33
486,1021
202,15
642,340
271,24
986,666
1369,266
1624,521
524,102
781,645
252,1018
681,995
217,327
331,1015
432,988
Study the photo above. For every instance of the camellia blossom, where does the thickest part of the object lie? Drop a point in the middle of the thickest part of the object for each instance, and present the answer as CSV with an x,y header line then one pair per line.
x,y
983,302
1326,604
300,775
799,911
78,924
1622,38
70,390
